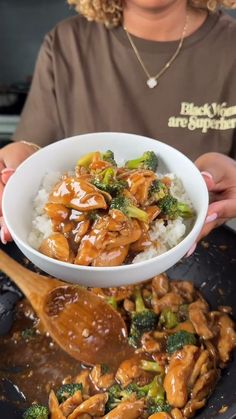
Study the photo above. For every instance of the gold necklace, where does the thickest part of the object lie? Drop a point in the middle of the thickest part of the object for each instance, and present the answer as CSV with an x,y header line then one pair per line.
x,y
152,81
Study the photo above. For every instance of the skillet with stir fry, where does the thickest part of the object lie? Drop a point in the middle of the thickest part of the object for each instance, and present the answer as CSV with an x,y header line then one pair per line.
x,y
102,214
180,348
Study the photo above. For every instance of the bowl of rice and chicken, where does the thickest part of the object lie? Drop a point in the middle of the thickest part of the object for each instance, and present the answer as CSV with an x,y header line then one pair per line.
x,y
105,209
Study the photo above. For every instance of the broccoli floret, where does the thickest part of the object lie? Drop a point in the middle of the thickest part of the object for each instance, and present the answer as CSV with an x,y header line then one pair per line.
x,y
106,181
109,157
28,334
134,388
86,160
178,340
93,215
155,407
36,411
147,161
112,301
151,366
171,207
142,320
183,313
154,392
125,205
105,369
168,318
158,190
114,397
67,390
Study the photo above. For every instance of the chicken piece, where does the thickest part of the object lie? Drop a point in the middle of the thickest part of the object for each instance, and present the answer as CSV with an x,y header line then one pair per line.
x,y
226,309
87,251
187,326
144,240
203,358
80,230
129,305
56,246
139,182
160,285
150,344
81,171
97,163
57,212
227,337
168,300
192,406
184,288
176,379
83,378
55,411
205,384
117,220
160,415
101,381
129,233
176,414
198,316
120,293
113,257
69,405
130,370
78,194
127,410
95,246
153,211
94,406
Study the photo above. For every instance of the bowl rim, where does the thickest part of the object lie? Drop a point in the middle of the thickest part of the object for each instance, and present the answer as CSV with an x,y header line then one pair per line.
x,y
198,221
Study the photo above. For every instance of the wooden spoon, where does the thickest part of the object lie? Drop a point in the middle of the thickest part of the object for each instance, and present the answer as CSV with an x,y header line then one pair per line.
x,y
81,323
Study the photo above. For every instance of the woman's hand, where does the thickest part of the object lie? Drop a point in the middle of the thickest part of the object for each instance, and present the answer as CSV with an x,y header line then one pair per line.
x,y
10,158
219,172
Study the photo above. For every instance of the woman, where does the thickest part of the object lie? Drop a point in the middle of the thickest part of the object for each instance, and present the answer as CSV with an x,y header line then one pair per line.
x,y
161,68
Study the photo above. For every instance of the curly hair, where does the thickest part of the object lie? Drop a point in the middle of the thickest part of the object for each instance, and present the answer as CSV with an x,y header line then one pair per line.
x,y
109,12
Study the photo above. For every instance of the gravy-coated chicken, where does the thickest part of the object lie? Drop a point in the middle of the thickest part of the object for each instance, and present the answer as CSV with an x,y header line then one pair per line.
x,y
105,213
180,347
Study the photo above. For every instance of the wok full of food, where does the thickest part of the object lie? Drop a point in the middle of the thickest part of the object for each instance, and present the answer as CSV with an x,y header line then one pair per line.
x,y
104,215
181,347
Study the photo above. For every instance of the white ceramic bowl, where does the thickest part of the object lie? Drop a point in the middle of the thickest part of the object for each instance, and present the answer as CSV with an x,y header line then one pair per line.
x,y
63,155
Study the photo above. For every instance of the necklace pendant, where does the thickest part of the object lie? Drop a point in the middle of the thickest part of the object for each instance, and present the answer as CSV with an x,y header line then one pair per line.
x,y
151,82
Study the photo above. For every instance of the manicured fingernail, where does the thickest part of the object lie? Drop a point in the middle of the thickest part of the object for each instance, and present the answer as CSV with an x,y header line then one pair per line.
x,y
207,174
211,217
2,236
7,170
191,250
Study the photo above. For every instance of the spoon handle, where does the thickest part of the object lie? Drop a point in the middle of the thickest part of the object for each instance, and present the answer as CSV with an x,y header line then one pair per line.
x,y
30,283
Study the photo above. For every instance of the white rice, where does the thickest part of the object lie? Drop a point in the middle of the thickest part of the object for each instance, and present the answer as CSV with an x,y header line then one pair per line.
x,y
41,223
164,237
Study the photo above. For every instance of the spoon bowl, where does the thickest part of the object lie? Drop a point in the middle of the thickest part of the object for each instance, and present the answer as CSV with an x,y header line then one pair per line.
x,y
80,322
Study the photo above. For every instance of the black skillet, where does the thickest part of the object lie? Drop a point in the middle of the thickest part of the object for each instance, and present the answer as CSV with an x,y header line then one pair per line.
x,y
212,269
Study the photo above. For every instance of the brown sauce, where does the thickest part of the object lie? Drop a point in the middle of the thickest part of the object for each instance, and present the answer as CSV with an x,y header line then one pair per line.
x,y
34,365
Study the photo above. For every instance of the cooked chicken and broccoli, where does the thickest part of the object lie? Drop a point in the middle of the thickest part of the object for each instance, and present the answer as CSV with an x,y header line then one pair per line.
x,y
105,215
180,346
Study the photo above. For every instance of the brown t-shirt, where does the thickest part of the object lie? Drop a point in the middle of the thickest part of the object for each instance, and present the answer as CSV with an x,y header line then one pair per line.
x,y
88,79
